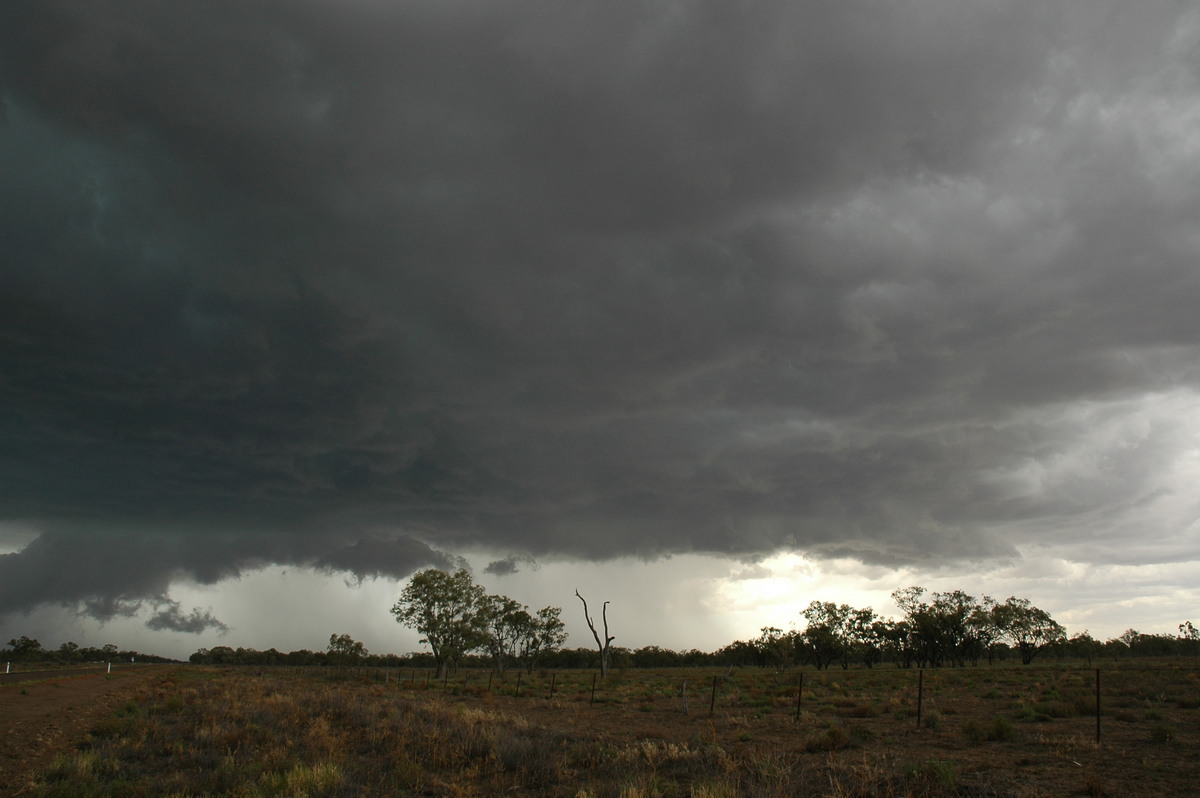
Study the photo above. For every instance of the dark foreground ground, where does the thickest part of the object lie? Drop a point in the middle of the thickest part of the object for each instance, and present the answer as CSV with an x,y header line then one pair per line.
x,y
1003,731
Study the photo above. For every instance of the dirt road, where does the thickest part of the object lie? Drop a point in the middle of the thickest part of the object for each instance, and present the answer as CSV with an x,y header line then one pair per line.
x,y
40,719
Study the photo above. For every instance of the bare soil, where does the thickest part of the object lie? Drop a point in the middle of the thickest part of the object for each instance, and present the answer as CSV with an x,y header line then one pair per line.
x,y
46,714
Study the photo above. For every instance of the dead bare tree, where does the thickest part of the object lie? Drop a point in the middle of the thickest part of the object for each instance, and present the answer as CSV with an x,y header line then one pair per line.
x,y
603,647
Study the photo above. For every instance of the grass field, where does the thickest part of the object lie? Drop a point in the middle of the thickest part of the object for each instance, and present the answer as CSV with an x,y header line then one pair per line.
x,y
987,731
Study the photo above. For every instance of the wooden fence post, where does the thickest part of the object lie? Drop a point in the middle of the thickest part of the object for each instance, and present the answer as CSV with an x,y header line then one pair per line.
x,y
920,693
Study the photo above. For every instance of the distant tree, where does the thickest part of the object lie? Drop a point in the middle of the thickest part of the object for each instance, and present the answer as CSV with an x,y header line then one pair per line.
x,y
506,623
1084,646
983,630
25,648
737,653
827,633
344,649
1028,628
68,652
448,609
605,646
1189,639
953,639
866,636
545,635
1129,637
774,648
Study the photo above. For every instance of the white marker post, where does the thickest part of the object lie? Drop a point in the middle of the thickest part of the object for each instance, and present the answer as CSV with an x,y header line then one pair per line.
x,y
110,667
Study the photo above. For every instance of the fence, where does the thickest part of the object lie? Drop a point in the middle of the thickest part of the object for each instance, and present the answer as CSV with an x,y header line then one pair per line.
x,y
922,698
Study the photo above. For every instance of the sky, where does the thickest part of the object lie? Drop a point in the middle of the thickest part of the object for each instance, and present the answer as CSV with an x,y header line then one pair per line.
x,y
708,309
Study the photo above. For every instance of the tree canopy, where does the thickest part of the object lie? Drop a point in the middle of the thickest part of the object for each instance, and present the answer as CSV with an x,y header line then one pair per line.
x,y
457,616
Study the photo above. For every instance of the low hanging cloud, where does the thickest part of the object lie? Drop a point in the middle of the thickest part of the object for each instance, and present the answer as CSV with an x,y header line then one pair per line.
x,y
360,287
512,564
111,575
169,617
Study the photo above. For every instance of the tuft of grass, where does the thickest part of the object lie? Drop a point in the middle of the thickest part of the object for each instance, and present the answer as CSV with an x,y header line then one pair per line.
x,y
831,739
932,776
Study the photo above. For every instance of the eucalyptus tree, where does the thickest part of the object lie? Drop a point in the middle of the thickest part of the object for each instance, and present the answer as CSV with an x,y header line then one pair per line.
x,y
344,648
505,623
545,634
1029,628
827,633
449,610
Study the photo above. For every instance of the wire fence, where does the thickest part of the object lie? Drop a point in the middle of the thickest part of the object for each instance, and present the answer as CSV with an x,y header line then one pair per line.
x,y
1086,697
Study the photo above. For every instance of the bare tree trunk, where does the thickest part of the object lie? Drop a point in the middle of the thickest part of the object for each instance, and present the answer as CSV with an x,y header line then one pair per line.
x,y
603,647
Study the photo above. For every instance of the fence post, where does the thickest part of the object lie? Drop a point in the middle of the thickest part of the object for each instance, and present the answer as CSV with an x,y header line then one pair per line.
x,y
593,690
920,694
712,700
799,693
552,678
1097,706
517,694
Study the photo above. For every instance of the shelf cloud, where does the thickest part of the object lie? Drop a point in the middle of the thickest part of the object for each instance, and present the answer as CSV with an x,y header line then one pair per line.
x,y
363,286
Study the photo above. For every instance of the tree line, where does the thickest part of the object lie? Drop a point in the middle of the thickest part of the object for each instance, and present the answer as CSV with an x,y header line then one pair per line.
x,y
463,625
29,649
934,630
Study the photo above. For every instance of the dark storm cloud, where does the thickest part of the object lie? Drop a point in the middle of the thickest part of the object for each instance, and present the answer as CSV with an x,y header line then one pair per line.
x,y
169,617
359,285
510,565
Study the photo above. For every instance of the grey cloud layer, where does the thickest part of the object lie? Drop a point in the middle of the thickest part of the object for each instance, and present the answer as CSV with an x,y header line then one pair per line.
x,y
357,285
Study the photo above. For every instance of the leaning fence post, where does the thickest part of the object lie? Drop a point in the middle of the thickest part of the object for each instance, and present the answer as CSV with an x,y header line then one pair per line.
x,y
517,694
1097,705
552,677
799,693
920,693
712,700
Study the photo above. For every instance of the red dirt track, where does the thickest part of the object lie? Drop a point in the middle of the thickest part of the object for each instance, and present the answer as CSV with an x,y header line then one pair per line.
x,y
45,713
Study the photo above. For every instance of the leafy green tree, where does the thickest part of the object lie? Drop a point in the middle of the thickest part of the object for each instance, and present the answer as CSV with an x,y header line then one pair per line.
x,y
828,633
1084,646
25,648
506,624
866,636
545,635
983,630
1028,628
775,648
344,649
448,609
